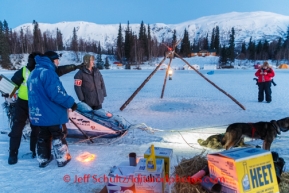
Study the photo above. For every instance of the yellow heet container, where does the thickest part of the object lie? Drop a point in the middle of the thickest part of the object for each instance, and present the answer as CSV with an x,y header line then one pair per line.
x,y
151,160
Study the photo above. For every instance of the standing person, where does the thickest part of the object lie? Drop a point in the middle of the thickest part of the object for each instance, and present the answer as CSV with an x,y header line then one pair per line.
x,y
265,75
21,115
48,104
89,85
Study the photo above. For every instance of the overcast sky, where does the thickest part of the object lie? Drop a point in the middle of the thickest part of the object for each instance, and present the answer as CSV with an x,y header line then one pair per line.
x,y
17,12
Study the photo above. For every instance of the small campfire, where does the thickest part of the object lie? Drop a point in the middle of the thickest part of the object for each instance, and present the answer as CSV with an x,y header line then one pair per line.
x,y
86,157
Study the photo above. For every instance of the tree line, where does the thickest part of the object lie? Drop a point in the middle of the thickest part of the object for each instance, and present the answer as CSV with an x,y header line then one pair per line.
x,y
134,49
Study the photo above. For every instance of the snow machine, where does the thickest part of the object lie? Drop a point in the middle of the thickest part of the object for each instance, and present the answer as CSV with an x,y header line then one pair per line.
x,y
86,122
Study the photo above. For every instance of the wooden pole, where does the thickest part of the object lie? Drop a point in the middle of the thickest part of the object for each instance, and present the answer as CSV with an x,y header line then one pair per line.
x,y
142,85
212,83
167,71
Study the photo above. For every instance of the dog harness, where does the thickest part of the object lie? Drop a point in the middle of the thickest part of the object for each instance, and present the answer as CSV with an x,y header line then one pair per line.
x,y
253,130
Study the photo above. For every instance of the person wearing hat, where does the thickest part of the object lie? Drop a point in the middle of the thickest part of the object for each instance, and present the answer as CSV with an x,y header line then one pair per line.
x,y
89,84
265,74
20,117
48,104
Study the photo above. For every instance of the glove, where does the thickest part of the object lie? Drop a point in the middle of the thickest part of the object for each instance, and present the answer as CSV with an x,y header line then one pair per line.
x,y
6,95
79,66
64,134
74,107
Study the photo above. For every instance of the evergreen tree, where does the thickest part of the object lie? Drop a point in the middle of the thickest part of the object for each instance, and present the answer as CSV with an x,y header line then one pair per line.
x,y
4,46
206,43
223,59
37,38
99,61
119,44
217,40
45,42
266,53
185,45
14,41
141,31
195,46
286,46
277,51
243,49
74,41
231,49
127,43
212,46
259,50
59,41
143,40
145,44
21,41
174,40
106,64
286,41
251,50
74,44
149,43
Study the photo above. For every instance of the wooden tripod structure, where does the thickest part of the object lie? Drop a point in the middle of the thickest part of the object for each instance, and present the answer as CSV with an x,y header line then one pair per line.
x,y
170,54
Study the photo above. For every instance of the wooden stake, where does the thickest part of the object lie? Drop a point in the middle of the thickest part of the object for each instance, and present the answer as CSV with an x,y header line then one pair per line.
x,y
142,85
165,81
212,83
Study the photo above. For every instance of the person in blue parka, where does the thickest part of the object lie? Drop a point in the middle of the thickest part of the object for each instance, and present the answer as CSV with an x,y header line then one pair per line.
x,y
48,104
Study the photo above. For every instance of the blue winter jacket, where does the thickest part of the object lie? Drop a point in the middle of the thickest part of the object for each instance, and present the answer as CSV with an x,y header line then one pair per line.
x,y
48,101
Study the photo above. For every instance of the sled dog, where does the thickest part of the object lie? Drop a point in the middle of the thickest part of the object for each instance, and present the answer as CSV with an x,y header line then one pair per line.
x,y
267,131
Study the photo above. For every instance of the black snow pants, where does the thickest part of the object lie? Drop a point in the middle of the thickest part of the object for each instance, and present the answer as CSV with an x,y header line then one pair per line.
x,y
264,87
21,114
46,134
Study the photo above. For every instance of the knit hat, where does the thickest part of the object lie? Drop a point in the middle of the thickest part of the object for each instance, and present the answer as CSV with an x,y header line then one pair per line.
x,y
52,55
266,64
86,59
31,62
33,54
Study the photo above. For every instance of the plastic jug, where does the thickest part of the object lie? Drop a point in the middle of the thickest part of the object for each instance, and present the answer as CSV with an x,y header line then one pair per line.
x,y
151,160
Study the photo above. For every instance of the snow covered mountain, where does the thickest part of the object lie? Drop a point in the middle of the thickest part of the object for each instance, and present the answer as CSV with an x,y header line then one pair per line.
x,y
258,25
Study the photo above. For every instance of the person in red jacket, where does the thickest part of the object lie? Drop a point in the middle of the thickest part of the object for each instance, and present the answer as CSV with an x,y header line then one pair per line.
x,y
265,75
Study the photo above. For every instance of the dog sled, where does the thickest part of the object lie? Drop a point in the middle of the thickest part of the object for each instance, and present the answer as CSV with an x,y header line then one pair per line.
x,y
87,123
84,123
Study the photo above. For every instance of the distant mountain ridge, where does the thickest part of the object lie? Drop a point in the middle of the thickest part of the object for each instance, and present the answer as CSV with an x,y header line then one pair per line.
x,y
258,25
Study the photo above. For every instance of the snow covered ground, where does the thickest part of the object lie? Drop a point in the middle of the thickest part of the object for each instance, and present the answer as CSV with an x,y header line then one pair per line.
x,y
190,105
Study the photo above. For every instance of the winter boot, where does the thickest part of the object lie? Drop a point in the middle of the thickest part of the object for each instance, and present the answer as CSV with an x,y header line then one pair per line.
x,y
13,159
63,163
61,152
43,163
33,155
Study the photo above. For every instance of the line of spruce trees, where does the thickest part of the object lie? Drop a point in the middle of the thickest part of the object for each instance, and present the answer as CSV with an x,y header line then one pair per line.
x,y
134,49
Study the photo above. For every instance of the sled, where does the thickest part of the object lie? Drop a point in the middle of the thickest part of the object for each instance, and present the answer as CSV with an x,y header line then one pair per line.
x,y
84,125
87,123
